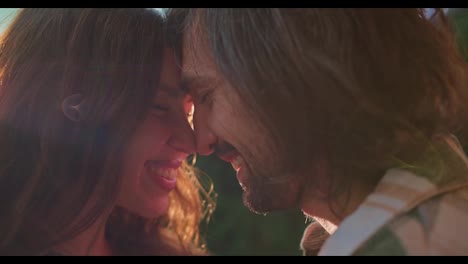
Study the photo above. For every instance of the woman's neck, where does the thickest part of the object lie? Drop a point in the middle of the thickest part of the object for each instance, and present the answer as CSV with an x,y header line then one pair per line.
x,y
90,242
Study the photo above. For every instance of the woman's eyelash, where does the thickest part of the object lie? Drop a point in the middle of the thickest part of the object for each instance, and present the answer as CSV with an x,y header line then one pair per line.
x,y
160,107
163,108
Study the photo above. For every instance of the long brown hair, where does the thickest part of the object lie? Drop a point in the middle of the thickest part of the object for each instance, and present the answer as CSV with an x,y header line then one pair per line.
x,y
364,89
50,166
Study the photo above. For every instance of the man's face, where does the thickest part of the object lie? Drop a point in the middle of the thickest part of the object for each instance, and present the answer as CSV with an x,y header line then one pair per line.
x,y
224,126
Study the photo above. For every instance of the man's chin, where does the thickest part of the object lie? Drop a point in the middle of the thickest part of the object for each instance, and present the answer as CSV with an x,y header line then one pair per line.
x,y
258,206
263,202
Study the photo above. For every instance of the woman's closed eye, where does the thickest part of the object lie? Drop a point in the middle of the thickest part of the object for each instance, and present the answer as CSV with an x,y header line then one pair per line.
x,y
160,109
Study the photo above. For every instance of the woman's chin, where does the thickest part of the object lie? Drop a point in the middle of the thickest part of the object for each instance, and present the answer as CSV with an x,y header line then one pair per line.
x,y
152,210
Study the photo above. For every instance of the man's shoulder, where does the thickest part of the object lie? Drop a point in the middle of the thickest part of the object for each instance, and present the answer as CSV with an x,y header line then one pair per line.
x,y
439,226
313,238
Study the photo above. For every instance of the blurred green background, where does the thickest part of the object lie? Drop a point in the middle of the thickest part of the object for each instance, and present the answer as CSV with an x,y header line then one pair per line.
x,y
459,17
233,229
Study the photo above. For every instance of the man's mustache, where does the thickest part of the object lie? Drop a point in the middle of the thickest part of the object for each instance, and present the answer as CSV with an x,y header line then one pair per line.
x,y
221,149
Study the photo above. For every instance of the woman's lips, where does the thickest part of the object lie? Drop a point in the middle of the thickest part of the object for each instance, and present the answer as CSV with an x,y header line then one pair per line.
x,y
163,173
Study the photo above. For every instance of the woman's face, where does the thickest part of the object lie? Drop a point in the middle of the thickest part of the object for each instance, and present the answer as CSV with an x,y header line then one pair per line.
x,y
160,143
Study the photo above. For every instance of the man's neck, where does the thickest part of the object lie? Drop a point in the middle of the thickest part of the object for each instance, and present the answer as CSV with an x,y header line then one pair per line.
x,y
327,225
326,212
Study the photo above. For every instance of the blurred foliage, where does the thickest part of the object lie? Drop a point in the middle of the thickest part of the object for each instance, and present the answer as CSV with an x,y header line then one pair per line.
x,y
234,230
459,19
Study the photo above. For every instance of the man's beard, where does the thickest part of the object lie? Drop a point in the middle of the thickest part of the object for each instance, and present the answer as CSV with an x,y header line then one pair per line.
x,y
266,192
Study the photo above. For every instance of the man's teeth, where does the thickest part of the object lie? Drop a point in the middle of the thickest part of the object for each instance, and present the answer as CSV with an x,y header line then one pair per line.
x,y
165,173
237,162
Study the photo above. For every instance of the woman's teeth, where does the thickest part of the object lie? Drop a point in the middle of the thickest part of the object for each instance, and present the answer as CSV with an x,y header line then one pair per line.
x,y
168,173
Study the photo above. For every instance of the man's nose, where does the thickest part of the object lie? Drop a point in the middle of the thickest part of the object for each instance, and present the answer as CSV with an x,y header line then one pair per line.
x,y
204,136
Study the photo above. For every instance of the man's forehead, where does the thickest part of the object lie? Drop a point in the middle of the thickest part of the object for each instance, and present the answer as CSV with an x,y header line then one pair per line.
x,y
193,81
198,68
198,74
197,59
195,63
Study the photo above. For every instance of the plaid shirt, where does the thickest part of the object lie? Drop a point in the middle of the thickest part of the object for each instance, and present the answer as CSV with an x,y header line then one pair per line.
x,y
412,211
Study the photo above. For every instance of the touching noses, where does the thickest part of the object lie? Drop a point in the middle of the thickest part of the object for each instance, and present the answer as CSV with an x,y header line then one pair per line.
x,y
183,139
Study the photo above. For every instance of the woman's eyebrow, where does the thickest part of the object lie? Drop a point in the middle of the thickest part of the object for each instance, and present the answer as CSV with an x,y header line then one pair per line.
x,y
172,91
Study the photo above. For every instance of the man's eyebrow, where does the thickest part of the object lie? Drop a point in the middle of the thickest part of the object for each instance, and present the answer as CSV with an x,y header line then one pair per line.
x,y
188,83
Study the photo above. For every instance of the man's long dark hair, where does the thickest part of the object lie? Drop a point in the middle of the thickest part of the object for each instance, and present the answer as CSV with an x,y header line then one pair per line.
x,y
363,89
